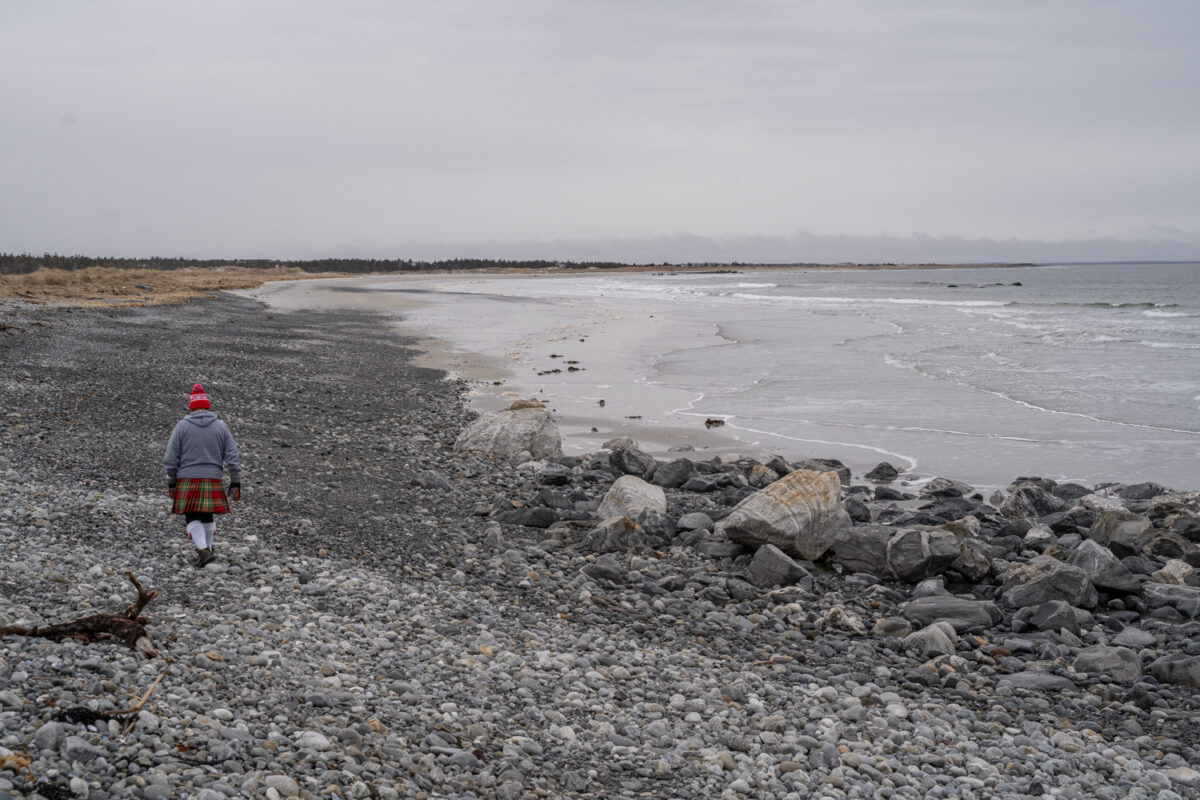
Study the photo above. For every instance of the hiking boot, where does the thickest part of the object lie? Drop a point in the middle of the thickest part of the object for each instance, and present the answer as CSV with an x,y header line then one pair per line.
x,y
203,556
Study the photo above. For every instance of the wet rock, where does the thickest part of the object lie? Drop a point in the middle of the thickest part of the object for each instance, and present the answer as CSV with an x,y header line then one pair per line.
x,y
883,473
1140,491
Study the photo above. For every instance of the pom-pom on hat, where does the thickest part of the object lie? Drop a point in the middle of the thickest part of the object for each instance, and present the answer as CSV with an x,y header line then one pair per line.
x,y
199,398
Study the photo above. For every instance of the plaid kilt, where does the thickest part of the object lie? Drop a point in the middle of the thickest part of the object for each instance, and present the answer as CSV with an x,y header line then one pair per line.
x,y
203,495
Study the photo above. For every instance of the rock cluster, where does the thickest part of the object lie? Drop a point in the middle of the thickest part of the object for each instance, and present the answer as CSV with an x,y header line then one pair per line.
x,y
395,616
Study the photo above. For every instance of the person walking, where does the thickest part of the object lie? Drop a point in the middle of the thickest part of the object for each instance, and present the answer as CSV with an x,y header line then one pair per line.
x,y
199,446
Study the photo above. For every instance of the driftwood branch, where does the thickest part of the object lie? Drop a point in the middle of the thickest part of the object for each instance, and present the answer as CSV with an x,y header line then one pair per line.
x,y
129,626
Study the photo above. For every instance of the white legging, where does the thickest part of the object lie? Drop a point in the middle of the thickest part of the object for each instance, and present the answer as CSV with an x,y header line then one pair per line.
x,y
202,533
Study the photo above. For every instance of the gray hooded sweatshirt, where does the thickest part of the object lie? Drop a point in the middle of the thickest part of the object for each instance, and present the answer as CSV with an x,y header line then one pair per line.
x,y
198,446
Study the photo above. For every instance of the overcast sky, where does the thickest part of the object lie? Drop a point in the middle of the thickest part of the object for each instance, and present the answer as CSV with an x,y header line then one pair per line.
x,y
773,130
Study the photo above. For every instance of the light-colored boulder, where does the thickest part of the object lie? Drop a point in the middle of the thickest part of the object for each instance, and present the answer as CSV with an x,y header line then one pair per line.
x,y
1177,573
524,427
629,495
801,514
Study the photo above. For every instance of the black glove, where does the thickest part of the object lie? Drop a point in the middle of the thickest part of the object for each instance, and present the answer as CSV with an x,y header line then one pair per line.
x,y
171,482
235,489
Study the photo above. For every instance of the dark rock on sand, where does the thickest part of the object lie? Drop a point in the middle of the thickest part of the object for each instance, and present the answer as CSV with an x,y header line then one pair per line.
x,y
883,473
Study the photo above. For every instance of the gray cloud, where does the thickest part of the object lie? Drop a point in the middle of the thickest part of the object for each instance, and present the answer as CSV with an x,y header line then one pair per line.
x,y
300,128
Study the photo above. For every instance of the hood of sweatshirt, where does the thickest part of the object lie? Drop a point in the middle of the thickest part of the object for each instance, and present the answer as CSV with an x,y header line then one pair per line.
x,y
201,418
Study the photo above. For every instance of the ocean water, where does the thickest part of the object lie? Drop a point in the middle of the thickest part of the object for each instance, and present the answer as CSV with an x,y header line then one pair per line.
x,y
1075,372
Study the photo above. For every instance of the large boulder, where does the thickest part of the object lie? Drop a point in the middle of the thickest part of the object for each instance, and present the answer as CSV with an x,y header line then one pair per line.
x,y
1120,663
911,554
1103,569
963,614
524,427
629,496
801,514
1045,578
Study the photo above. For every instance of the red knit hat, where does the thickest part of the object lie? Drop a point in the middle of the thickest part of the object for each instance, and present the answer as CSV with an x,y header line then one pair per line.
x,y
198,399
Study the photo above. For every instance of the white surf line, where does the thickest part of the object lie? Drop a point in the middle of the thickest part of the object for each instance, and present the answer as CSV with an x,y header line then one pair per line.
x,y
911,460
910,429
1080,415
892,361
688,411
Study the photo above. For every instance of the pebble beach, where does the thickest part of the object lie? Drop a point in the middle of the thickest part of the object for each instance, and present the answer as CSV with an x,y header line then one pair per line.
x,y
390,617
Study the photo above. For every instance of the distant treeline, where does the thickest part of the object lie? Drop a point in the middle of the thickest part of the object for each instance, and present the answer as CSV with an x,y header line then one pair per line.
x,y
12,264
